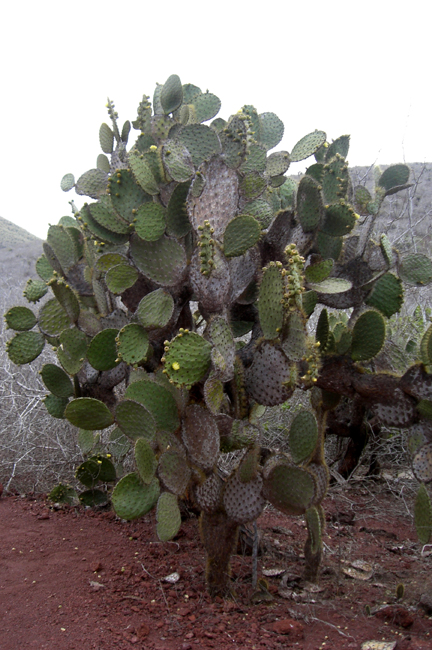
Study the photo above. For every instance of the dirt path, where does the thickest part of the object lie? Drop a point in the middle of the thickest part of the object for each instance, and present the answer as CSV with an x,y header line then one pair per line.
x,y
75,579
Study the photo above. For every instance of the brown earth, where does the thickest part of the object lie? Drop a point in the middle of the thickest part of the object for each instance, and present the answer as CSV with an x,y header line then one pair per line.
x,y
78,579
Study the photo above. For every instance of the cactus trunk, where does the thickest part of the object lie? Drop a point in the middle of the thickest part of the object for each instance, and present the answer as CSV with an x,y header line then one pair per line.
x,y
219,535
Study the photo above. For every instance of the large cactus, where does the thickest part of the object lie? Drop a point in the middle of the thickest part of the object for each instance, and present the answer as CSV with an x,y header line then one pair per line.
x,y
179,303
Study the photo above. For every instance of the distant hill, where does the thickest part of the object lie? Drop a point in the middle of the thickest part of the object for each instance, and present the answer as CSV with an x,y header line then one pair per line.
x,y
12,235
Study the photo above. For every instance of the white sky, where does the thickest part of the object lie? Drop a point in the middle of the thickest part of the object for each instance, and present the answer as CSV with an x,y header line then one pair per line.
x,y
362,69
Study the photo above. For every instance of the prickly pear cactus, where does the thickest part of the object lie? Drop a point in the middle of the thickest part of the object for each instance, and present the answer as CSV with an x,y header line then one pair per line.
x,y
177,300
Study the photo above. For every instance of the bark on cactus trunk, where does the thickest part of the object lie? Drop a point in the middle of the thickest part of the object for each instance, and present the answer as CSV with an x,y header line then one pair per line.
x,y
219,535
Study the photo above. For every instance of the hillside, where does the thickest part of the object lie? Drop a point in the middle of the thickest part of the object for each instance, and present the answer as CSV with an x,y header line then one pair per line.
x,y
12,235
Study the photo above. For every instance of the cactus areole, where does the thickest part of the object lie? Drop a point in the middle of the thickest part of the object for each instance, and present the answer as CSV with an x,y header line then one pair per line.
x,y
178,301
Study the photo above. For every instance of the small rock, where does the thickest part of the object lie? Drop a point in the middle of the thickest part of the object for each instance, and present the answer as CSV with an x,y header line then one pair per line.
x,y
44,515
290,627
96,566
426,602
183,611
143,630
396,615
185,646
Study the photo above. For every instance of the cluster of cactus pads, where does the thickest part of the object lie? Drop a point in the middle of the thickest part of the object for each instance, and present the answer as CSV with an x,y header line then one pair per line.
x,y
180,298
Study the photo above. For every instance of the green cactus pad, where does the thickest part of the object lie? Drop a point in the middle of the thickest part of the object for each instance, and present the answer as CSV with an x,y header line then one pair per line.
x,y
290,489
386,249
171,94
201,142
132,499
93,498
126,195
204,106
158,401
386,295
271,130
256,159
63,247
339,220
56,405
339,146
277,163
88,413
143,173
108,260
135,420
368,336
35,290
220,334
67,182
96,468
331,285
24,347
335,180
394,176
63,494
322,330
309,204
106,138
103,163
426,347
187,359
243,502
102,350
121,277
174,472
104,214
213,392
307,146
167,516
294,336
178,161
87,440
309,301
252,185
155,309
177,219
93,183
201,436
57,381
72,350
20,319
150,221
261,210
241,233
163,261
362,199
234,141
416,269
267,376
146,460
118,444
424,407
99,232
132,344
67,298
270,306
422,463
303,436
329,246
318,271
423,515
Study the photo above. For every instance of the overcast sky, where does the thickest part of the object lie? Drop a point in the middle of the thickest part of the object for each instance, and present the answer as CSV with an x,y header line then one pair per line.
x,y
362,69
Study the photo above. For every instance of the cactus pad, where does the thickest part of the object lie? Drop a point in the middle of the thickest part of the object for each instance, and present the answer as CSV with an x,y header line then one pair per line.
x,y
208,493
201,436
303,436
163,261
158,401
310,209
368,336
174,472
150,221
307,146
132,343
386,295
290,489
135,420
167,516
132,499
241,233
20,319
267,376
422,463
270,302
102,350
416,269
187,358
57,381
146,460
121,277
88,413
243,502
155,309
25,346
